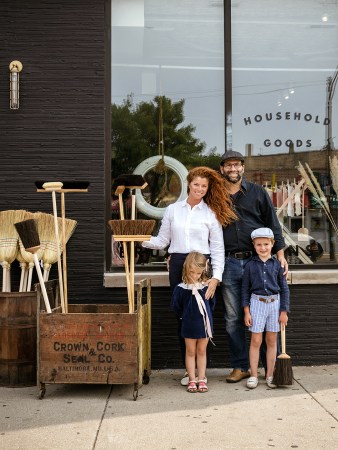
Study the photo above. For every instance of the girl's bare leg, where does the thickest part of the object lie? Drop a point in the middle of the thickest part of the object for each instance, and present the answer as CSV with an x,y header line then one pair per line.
x,y
190,357
202,357
271,352
256,341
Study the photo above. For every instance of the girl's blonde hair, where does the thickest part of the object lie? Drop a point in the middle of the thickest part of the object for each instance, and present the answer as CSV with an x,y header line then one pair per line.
x,y
198,260
217,197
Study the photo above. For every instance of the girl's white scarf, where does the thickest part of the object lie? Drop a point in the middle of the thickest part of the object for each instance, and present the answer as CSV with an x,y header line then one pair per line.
x,y
203,311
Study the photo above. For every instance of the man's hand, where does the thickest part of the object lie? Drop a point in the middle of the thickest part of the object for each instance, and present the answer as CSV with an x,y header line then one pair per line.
x,y
283,262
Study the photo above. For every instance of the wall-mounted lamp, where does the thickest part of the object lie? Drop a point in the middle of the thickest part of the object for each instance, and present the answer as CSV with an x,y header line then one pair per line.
x,y
15,68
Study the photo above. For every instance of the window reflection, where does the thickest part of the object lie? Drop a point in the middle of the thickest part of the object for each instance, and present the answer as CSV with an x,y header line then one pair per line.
x,y
283,60
169,52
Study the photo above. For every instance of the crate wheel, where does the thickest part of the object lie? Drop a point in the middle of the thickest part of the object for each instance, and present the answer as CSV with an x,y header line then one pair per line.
x,y
135,393
145,378
42,391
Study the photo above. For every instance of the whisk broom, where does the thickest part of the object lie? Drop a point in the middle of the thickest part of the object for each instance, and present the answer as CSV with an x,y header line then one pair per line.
x,y
283,375
29,236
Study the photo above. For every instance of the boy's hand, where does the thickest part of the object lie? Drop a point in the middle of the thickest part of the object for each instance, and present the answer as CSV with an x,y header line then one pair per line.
x,y
283,318
247,319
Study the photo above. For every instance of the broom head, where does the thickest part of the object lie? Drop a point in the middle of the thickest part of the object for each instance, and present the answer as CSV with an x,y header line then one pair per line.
x,y
130,181
283,375
28,233
132,230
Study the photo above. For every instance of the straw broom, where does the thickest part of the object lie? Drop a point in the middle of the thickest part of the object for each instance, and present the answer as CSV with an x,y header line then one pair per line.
x,y
22,261
48,238
8,243
29,236
283,375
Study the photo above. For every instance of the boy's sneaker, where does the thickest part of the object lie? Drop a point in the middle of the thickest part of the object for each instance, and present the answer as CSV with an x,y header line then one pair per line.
x,y
185,380
252,382
270,383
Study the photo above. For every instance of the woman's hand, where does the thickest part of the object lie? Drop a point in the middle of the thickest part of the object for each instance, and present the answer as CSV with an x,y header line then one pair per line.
x,y
212,285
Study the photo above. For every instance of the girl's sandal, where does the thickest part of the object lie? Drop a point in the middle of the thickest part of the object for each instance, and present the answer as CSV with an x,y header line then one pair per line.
x,y
202,386
192,388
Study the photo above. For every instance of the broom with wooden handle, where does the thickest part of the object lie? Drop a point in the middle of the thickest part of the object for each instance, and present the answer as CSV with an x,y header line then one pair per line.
x,y
8,243
53,186
283,375
29,236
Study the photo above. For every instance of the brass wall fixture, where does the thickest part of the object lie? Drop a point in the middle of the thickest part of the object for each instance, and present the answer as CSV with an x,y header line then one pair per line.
x,y
15,68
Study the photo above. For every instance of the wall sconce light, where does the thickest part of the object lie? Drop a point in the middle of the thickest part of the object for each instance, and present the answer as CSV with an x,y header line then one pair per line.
x,y
15,68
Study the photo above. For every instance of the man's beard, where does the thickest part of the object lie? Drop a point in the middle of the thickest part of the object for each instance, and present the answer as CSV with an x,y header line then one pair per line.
x,y
232,180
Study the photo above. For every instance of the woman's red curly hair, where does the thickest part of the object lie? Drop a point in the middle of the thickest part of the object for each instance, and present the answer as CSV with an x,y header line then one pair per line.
x,y
217,196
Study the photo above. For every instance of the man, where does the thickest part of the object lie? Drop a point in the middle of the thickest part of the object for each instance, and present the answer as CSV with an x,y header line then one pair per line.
x,y
254,210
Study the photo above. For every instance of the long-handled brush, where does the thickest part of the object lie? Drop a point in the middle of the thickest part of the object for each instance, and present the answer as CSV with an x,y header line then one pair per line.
x,y
122,230
29,236
283,375
53,186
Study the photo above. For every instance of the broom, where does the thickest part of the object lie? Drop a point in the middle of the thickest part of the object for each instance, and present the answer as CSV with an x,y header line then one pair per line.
x,y
29,236
28,257
47,233
127,232
283,375
8,243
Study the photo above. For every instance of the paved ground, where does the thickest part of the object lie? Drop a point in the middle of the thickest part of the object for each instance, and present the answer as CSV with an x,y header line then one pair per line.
x,y
165,416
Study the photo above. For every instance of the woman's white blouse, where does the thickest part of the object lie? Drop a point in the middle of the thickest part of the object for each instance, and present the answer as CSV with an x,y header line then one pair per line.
x,y
187,229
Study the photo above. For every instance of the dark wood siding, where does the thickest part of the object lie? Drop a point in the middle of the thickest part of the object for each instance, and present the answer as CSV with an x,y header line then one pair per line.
x,y
311,335
60,131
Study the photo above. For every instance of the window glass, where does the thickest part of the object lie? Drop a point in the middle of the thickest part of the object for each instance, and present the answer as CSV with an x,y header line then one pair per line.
x,y
167,101
285,115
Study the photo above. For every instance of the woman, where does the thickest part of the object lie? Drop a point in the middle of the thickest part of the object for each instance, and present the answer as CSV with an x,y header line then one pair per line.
x,y
195,224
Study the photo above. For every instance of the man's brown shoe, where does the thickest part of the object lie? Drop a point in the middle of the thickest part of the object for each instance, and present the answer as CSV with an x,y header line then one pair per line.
x,y
237,375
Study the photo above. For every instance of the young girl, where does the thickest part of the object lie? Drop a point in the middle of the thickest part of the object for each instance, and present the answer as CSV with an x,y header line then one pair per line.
x,y
189,303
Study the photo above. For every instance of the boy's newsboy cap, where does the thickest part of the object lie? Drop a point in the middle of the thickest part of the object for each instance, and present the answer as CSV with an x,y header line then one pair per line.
x,y
262,233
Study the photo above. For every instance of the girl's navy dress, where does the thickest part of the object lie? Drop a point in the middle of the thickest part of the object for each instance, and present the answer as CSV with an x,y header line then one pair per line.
x,y
185,305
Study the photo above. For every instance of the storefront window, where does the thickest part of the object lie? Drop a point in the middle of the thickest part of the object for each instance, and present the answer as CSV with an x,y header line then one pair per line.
x,y
167,101
285,115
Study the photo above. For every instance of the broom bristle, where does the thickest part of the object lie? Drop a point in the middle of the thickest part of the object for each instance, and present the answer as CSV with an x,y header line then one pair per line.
x,y
129,181
28,233
283,375
132,227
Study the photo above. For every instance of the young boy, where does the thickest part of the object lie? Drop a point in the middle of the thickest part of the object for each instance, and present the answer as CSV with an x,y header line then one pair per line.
x,y
265,299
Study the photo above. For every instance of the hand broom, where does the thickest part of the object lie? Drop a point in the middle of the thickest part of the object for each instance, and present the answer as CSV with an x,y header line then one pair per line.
x,y
29,236
283,375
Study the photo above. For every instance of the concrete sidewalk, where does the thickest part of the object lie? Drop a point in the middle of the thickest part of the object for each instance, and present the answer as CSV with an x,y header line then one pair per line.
x,y
165,416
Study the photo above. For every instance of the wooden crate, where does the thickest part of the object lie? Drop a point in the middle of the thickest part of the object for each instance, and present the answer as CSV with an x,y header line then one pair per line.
x,y
96,344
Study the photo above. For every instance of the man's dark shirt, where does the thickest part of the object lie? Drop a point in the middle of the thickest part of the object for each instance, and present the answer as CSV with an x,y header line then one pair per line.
x,y
254,209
